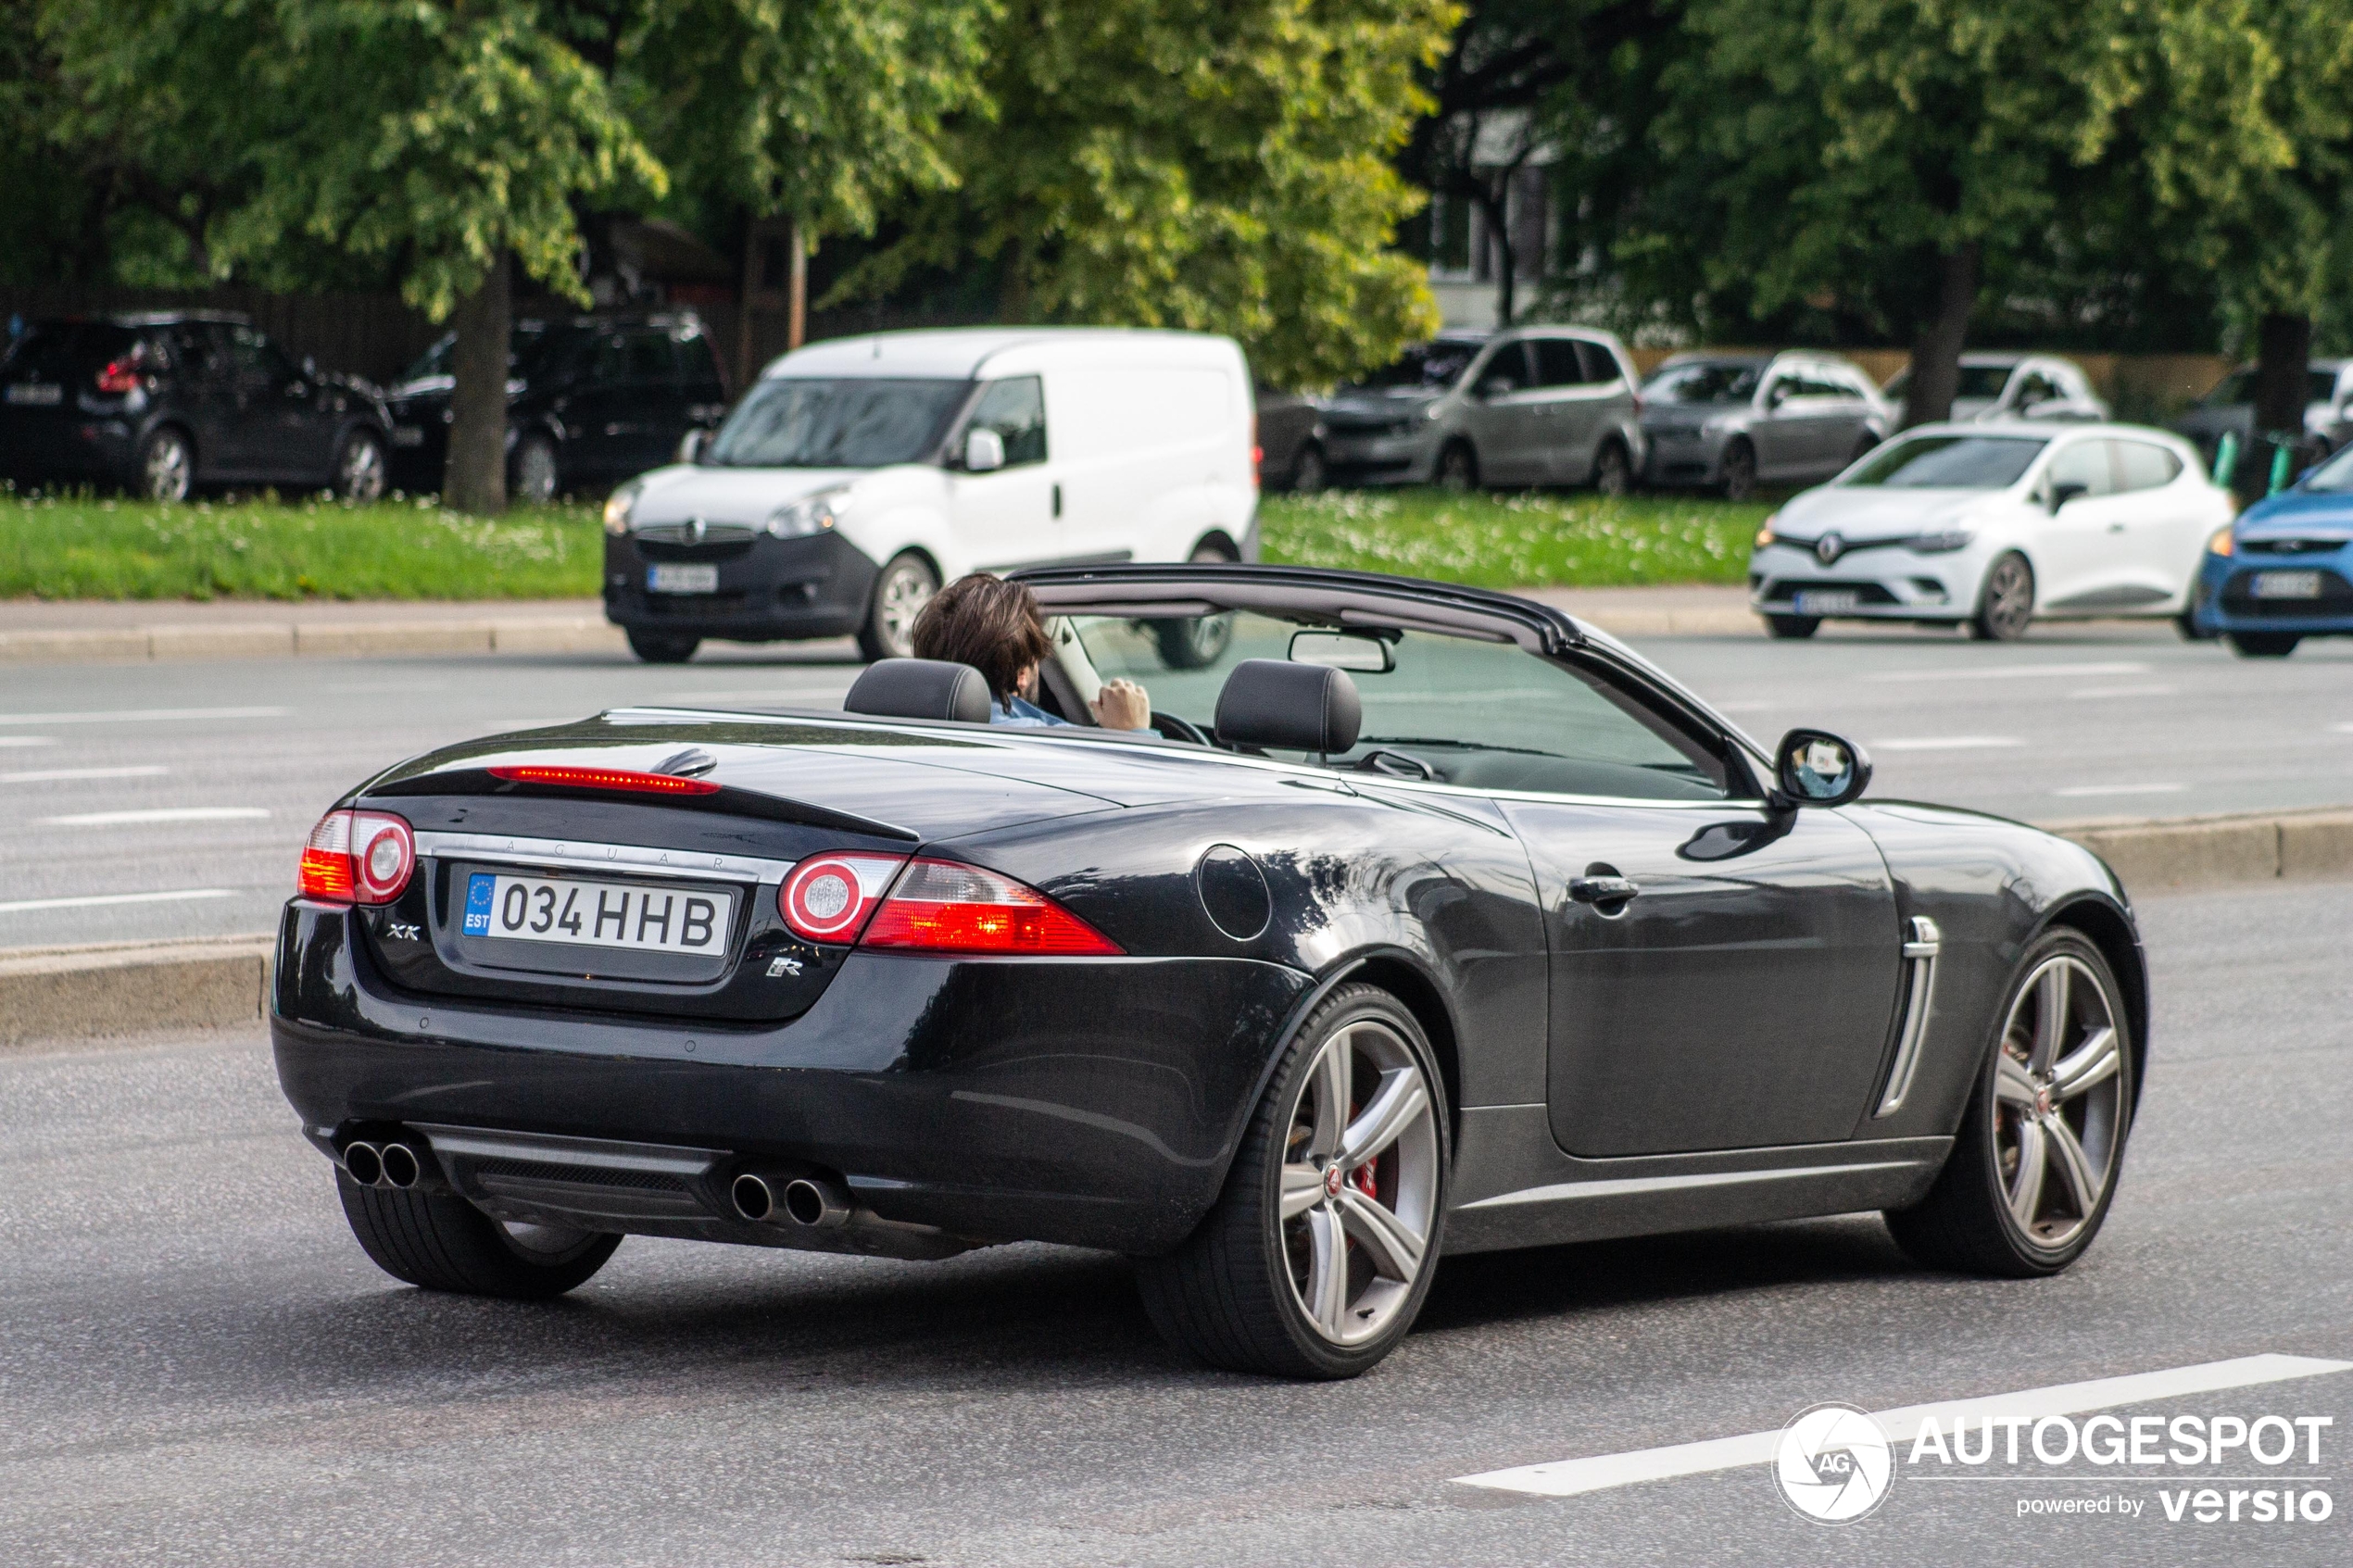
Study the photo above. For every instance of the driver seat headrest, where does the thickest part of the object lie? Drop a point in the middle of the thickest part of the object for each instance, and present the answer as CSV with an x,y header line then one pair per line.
x,y
920,688
1291,707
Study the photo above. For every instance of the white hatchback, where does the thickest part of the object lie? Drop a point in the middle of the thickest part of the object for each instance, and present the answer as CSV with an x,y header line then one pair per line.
x,y
1995,526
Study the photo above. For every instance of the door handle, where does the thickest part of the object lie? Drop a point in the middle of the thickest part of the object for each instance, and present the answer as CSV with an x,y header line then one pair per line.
x,y
1603,889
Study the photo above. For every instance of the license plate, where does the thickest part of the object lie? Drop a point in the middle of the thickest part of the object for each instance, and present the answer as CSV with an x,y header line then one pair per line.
x,y
2287,585
408,436
39,394
1828,601
671,577
598,914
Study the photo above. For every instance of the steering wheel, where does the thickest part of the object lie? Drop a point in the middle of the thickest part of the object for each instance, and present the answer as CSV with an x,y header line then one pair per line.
x,y
1174,728
1396,764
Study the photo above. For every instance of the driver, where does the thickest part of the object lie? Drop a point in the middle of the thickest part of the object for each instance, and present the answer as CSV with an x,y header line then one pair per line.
x,y
995,626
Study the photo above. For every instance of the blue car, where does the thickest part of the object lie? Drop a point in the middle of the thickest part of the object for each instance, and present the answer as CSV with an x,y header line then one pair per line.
x,y
2284,571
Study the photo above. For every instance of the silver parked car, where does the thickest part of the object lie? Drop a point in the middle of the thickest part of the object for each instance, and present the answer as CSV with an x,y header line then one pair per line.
x,y
1997,385
1530,406
1731,420
2328,409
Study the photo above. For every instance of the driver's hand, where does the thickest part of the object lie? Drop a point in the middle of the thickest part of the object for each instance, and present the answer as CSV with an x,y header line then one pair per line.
x,y
1121,705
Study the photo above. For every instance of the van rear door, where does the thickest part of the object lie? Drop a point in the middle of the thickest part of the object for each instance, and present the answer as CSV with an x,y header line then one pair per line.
x,y
1143,450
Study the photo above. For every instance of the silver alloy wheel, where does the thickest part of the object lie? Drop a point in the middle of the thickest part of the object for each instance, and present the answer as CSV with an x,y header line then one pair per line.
x,y
1359,1182
359,472
907,586
535,477
1612,475
2058,1101
168,467
2009,599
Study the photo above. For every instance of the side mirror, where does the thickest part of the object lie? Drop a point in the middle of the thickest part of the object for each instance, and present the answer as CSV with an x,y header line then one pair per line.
x,y
1817,768
983,451
2062,494
690,444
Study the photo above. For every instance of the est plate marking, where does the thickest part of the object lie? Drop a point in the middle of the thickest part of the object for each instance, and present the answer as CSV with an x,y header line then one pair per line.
x,y
597,914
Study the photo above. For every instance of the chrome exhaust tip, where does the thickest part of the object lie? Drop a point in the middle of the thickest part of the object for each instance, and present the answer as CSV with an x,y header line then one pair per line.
x,y
400,1166
753,1198
817,1203
363,1163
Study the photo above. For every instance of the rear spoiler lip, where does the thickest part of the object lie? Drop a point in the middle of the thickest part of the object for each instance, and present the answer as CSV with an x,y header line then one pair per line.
x,y
732,800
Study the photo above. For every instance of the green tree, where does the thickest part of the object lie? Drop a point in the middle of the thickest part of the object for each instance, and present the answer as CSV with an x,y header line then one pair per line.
x,y
1219,165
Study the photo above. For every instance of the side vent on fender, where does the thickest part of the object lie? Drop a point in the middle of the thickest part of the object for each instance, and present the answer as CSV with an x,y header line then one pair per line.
x,y
1920,975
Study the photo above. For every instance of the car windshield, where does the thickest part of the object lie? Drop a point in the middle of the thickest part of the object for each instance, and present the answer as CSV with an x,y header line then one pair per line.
x,y
845,422
1724,382
1983,381
2333,477
533,352
1453,709
1948,462
1430,367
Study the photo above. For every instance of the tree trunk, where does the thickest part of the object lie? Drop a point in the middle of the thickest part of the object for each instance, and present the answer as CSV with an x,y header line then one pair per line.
x,y
1495,205
476,478
2283,363
1936,355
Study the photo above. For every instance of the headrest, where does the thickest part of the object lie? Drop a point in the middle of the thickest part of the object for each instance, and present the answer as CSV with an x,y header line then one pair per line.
x,y
1293,706
920,688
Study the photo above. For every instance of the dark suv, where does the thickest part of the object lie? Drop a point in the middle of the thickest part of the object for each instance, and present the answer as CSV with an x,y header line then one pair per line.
x,y
159,404
590,401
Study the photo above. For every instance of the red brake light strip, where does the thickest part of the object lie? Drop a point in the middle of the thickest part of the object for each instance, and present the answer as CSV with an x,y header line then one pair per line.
x,y
603,778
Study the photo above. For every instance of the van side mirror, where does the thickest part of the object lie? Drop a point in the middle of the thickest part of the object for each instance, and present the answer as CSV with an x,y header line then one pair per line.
x,y
2066,491
983,451
1817,768
690,444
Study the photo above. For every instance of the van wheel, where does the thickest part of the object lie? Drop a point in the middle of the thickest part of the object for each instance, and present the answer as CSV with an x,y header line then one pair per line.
x,y
1196,642
1458,467
902,590
1613,475
655,648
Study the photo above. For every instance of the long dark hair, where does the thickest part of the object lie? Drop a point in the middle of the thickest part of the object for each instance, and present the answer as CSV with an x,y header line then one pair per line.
x,y
983,621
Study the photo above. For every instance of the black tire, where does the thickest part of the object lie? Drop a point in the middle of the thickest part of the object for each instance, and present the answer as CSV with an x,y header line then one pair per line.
x,y
906,581
444,1243
1967,1223
2004,602
1792,626
1195,642
1613,471
534,477
1458,467
656,649
1308,474
2186,625
1738,476
167,465
358,474
2263,644
1227,1296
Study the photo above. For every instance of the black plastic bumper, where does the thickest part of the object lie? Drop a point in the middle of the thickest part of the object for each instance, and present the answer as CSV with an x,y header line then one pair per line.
x,y
1095,1103
770,590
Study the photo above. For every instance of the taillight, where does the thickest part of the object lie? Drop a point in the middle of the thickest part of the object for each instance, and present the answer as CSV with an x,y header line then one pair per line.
x,y
118,378
604,778
941,906
827,898
358,858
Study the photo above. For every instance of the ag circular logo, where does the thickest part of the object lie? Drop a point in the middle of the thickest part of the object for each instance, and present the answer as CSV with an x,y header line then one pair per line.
x,y
1833,1463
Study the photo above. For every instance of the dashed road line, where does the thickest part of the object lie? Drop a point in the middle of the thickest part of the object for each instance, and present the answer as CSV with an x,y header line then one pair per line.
x,y
142,715
99,900
2007,673
2077,792
1947,743
160,814
71,775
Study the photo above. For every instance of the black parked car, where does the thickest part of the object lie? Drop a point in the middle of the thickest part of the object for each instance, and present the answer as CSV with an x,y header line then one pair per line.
x,y
1426,923
161,403
1290,442
591,401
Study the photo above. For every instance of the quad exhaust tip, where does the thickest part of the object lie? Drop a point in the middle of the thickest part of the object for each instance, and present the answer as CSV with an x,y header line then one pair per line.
x,y
363,1162
394,1165
400,1167
804,1200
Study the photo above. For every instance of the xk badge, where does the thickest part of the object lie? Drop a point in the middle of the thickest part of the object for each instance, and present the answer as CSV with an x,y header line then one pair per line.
x,y
400,933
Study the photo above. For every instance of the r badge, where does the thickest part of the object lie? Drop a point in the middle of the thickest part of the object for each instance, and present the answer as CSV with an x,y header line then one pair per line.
x,y
782,965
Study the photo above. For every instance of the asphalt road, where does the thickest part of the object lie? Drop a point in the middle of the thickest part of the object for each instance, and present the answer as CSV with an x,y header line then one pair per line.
x,y
144,801
199,1367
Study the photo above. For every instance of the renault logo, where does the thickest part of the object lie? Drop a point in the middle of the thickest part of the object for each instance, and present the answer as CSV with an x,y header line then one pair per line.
x,y
1827,549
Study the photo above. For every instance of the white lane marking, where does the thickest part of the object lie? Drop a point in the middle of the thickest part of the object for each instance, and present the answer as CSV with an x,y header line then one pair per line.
x,y
2009,672
1569,1478
1947,743
26,740
160,814
2078,791
2088,693
96,899
62,775
142,715
2343,728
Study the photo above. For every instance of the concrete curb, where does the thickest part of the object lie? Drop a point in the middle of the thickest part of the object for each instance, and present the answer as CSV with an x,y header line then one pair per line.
x,y
307,640
138,988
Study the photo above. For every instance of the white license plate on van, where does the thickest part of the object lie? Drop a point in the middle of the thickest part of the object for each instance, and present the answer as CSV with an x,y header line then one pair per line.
x,y
673,577
598,914
2287,585
37,395
1828,601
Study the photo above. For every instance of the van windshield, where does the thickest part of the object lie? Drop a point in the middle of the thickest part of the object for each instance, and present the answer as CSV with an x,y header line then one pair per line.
x,y
843,422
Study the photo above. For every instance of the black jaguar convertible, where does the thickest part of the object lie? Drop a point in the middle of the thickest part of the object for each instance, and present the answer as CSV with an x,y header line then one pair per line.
x,y
1426,920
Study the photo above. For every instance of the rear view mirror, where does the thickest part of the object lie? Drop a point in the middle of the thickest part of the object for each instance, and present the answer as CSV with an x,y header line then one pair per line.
x,y
690,444
1343,650
1817,768
983,451
2062,494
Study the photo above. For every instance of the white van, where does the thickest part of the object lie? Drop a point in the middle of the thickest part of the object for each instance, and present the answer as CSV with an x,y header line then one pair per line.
x,y
861,474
